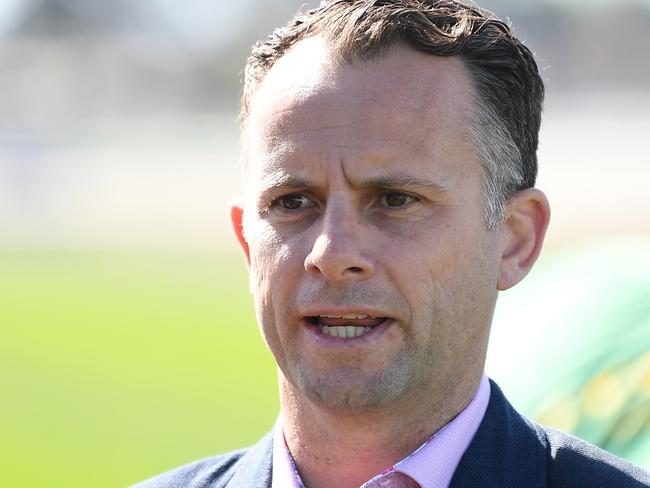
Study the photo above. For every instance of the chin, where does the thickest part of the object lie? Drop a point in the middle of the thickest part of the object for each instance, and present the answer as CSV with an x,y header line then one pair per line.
x,y
348,389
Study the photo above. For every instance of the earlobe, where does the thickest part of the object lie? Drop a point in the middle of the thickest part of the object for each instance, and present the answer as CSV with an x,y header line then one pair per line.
x,y
527,217
237,220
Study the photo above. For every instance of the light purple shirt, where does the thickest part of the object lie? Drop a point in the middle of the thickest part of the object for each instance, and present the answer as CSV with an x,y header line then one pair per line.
x,y
432,464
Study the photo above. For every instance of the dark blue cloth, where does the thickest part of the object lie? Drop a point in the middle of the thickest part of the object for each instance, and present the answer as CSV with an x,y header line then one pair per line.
x,y
507,451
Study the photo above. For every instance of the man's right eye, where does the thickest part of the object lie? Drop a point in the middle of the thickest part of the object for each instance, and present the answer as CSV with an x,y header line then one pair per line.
x,y
294,202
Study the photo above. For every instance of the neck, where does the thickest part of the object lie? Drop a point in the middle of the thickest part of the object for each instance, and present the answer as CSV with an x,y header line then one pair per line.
x,y
345,449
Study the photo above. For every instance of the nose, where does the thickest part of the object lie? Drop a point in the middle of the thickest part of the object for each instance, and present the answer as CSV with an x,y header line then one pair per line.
x,y
338,252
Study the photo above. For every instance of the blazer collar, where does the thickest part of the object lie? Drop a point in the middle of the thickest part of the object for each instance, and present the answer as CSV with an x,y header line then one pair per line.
x,y
507,450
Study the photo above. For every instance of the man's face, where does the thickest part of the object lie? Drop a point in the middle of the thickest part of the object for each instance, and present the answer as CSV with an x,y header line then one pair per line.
x,y
373,276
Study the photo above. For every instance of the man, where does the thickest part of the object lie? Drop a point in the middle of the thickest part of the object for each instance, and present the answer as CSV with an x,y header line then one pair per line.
x,y
390,161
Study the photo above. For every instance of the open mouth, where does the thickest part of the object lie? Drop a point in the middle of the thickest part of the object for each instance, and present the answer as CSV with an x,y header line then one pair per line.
x,y
346,326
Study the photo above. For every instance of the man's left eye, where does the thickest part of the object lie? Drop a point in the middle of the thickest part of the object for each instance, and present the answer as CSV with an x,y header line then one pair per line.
x,y
397,199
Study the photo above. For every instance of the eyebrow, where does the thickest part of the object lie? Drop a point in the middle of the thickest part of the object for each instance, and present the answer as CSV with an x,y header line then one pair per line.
x,y
402,181
282,180
391,180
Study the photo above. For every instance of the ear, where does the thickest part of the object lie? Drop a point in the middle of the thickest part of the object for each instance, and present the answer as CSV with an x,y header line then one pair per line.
x,y
237,219
524,227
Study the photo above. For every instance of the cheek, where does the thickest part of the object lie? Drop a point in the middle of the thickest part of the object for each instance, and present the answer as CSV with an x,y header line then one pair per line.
x,y
414,253
440,267
268,247
276,263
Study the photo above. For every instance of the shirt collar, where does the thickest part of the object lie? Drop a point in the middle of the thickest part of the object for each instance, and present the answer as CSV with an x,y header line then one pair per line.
x,y
285,474
432,464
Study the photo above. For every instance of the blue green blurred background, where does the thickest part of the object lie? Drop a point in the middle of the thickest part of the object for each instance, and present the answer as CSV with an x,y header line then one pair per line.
x,y
128,343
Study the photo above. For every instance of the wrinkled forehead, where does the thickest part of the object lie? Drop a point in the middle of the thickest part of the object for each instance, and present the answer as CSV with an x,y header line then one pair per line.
x,y
310,89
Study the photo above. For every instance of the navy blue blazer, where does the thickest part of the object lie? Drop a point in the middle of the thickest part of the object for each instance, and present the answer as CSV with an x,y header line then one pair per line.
x,y
507,451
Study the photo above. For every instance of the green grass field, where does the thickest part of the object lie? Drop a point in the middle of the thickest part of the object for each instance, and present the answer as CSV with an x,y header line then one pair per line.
x,y
114,367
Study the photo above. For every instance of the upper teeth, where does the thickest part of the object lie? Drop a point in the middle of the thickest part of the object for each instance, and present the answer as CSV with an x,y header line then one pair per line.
x,y
346,331
347,316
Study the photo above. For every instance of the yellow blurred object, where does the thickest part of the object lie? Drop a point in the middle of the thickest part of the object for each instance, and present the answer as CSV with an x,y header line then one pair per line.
x,y
603,396
563,414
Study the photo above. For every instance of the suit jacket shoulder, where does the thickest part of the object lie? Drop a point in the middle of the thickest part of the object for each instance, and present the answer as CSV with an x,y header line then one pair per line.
x,y
509,450
244,468
574,462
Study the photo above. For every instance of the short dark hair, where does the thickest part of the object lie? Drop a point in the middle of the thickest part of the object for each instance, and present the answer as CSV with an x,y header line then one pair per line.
x,y
508,89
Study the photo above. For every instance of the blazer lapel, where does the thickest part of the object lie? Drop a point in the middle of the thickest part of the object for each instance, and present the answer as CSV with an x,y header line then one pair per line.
x,y
506,451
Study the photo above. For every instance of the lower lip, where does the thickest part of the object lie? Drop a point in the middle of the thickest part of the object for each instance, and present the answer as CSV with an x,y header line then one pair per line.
x,y
329,340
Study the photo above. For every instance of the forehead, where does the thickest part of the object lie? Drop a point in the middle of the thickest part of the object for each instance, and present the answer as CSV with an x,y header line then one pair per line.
x,y
407,101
